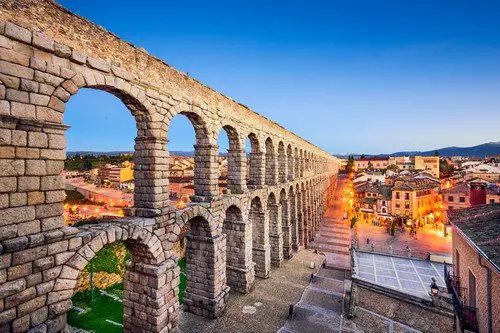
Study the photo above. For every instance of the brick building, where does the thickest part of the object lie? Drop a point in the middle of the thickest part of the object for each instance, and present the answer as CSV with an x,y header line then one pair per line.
x,y
475,282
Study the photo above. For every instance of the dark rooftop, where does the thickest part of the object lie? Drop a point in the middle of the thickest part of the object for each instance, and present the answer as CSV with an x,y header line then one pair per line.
x,y
481,224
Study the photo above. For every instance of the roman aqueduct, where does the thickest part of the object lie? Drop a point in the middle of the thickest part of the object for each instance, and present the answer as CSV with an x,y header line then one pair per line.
x,y
48,54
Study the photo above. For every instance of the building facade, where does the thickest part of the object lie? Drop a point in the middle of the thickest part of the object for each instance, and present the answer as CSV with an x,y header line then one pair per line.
x,y
475,279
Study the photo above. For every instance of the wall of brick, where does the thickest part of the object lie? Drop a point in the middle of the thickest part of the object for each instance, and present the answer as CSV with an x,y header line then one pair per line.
x,y
469,261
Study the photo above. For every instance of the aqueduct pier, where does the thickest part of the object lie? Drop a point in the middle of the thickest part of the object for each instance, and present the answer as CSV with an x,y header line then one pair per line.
x,y
47,54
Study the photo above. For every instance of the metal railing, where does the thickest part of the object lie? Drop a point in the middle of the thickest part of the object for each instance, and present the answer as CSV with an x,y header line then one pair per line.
x,y
467,315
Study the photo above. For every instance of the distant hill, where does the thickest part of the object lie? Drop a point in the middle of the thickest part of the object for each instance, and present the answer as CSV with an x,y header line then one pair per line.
x,y
483,150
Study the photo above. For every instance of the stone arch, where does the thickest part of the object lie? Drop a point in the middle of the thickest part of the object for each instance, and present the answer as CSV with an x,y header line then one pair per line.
x,y
239,266
256,163
205,152
236,161
301,161
275,230
290,163
260,238
191,211
149,140
148,263
271,170
282,163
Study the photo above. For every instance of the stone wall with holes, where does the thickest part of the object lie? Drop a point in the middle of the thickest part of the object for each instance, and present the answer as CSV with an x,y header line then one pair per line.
x,y
48,54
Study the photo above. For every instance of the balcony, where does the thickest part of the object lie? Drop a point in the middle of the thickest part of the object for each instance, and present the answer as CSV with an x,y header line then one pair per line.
x,y
467,315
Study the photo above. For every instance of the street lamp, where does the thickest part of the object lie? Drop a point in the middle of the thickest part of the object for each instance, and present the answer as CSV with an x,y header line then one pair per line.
x,y
434,287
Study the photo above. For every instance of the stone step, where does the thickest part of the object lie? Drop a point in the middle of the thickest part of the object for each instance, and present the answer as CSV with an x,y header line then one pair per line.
x,y
328,248
310,318
332,240
324,299
333,285
332,273
335,233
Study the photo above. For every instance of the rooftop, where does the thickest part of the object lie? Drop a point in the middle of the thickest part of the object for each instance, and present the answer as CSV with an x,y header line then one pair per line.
x,y
481,225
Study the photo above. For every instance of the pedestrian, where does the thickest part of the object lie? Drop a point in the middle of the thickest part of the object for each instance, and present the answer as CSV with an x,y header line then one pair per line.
x,y
368,241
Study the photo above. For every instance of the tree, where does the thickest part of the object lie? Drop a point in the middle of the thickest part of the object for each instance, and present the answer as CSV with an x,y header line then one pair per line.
x,y
350,164
363,156
87,163
370,165
392,167
445,169
353,221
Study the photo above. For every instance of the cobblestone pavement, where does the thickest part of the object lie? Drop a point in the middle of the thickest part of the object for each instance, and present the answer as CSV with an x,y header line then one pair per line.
x,y
265,308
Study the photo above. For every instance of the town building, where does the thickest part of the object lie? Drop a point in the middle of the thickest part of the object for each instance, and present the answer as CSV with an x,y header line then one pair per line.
x,y
115,175
372,163
428,163
474,281
373,202
483,171
416,201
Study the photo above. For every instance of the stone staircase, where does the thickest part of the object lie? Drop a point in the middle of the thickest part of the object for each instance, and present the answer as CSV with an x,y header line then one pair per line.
x,y
333,238
321,306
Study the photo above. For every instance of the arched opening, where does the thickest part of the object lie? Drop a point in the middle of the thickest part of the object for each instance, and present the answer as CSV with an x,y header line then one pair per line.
x,y
290,163
239,266
181,162
271,172
301,165
260,238
98,294
99,168
285,224
275,231
194,161
232,161
255,165
99,182
281,162
108,276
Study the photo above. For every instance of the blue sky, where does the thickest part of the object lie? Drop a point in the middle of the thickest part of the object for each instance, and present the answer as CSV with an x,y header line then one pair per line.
x,y
349,76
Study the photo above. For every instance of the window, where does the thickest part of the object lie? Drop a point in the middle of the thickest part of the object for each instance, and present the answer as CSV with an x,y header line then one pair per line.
x,y
492,200
456,271
472,289
397,195
462,199
407,206
407,196
450,207
450,198
398,205
383,202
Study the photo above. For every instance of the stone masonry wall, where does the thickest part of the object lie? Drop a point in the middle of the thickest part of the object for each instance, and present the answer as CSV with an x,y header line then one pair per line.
x,y
48,54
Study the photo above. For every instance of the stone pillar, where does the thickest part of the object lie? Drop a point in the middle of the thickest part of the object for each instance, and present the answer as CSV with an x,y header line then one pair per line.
x,y
257,169
236,171
206,182
206,289
275,235
261,250
282,167
240,269
151,192
271,169
287,230
290,167
294,225
300,219
151,297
